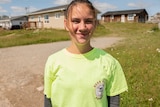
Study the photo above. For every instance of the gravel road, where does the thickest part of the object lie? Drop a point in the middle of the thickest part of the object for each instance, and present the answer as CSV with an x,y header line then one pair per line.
x,y
22,68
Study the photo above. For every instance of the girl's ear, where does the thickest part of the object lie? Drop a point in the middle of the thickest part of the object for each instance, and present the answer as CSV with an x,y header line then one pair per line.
x,y
65,24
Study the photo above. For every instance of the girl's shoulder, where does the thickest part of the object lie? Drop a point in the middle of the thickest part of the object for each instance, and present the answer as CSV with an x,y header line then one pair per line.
x,y
104,53
105,56
55,56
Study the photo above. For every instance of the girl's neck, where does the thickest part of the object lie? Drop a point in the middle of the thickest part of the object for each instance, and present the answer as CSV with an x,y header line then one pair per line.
x,y
79,49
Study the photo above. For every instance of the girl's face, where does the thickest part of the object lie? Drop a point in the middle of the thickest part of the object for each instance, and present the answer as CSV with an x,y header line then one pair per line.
x,y
81,23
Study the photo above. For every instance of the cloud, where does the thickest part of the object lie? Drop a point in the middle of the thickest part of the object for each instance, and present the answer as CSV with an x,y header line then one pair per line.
x,y
31,9
138,5
132,5
99,5
21,10
61,2
103,7
4,1
2,10
15,10
18,9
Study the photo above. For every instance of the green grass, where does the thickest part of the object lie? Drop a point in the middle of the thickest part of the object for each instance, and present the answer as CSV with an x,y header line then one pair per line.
x,y
140,60
26,37
10,38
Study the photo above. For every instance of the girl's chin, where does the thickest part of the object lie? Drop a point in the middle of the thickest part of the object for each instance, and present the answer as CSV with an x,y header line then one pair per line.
x,y
82,41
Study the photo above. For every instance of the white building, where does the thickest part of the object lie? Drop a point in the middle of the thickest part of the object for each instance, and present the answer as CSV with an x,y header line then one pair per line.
x,y
155,18
13,22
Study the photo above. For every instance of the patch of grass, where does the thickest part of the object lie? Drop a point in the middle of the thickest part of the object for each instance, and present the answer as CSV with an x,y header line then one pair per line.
x,y
10,38
140,59
128,29
101,31
5,32
155,28
26,37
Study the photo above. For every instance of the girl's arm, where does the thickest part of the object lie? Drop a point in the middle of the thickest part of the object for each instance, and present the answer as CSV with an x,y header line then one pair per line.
x,y
113,101
47,102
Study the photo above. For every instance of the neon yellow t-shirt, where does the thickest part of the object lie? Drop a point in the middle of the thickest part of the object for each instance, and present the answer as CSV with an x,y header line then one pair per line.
x,y
82,80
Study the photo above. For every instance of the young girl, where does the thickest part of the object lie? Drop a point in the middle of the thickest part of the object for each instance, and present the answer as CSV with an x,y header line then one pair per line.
x,y
81,75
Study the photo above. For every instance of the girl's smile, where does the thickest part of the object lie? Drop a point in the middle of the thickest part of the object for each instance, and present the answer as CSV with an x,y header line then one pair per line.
x,y
81,25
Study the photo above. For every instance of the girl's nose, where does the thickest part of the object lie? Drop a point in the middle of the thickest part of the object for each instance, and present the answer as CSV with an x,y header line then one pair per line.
x,y
82,25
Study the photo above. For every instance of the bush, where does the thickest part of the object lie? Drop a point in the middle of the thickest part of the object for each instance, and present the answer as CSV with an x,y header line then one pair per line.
x,y
155,28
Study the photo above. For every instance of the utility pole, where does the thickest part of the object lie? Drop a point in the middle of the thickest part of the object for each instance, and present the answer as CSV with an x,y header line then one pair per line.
x,y
27,10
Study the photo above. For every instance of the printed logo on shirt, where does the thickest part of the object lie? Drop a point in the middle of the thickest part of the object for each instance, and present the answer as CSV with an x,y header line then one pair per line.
x,y
99,87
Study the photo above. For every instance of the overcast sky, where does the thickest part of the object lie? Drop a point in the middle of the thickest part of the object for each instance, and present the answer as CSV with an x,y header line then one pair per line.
x,y
20,7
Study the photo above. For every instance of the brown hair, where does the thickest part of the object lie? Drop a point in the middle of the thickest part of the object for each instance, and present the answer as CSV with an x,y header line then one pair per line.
x,y
75,2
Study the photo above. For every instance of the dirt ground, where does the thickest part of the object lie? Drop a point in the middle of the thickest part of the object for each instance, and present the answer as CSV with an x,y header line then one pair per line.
x,y
22,68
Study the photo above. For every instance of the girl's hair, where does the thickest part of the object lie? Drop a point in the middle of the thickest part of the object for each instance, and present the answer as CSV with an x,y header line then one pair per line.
x,y
75,2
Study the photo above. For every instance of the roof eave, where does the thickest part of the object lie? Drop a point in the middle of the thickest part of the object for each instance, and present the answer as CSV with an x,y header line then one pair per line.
x,y
48,11
6,20
123,12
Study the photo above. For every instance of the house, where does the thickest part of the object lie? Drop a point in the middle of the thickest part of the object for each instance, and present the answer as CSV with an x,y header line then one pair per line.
x,y
155,18
48,18
137,15
15,22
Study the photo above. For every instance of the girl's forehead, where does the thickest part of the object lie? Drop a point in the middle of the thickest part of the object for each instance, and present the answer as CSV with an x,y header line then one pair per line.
x,y
81,10
81,6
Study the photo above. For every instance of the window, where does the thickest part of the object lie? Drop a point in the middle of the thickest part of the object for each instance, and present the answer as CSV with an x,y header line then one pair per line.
x,y
46,18
130,16
112,17
32,17
57,15
39,18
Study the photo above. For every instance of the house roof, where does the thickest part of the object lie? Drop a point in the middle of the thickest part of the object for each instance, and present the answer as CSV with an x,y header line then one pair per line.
x,y
52,9
13,18
18,17
136,11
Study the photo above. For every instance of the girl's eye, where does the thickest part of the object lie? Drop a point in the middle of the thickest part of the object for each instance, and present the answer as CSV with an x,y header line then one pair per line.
x,y
89,21
76,21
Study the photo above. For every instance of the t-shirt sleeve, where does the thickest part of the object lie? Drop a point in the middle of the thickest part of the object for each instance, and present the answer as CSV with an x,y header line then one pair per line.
x,y
48,78
116,82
